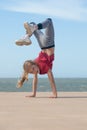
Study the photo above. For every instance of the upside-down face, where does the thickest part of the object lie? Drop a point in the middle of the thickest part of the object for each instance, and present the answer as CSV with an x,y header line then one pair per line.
x,y
31,67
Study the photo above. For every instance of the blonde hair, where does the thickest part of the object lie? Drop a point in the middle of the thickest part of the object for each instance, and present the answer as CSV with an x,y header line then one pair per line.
x,y
26,66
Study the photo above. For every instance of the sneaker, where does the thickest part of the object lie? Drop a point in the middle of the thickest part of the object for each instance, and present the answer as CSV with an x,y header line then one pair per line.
x,y
23,41
19,84
29,28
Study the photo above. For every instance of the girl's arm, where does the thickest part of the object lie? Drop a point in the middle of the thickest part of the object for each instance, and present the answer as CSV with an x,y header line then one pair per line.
x,y
34,86
52,83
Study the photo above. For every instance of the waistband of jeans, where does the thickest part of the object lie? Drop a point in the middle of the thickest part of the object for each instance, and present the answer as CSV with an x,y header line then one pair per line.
x,y
48,47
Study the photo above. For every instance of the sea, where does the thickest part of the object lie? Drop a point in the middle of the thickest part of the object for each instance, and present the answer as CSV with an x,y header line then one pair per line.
x,y
62,84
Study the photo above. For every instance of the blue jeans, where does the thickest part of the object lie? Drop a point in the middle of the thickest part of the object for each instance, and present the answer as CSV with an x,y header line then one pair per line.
x,y
46,38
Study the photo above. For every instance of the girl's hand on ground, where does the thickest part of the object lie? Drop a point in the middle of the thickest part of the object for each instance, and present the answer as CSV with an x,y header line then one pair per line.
x,y
53,97
32,95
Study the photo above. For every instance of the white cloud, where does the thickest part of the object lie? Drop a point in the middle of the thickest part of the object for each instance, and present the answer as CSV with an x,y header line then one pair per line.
x,y
65,9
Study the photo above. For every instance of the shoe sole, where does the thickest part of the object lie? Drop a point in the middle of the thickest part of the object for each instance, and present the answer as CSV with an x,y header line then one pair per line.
x,y
22,43
28,28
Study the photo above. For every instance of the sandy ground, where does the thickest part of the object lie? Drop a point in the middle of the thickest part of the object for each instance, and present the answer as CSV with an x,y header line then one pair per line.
x,y
67,112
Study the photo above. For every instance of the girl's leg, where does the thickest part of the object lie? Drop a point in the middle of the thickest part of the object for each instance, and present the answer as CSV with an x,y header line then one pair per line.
x,y
39,36
49,31
45,40
48,26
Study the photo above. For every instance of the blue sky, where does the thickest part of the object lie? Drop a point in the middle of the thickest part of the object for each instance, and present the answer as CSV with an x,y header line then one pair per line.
x,y
70,23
